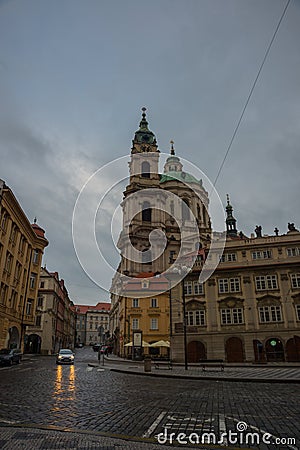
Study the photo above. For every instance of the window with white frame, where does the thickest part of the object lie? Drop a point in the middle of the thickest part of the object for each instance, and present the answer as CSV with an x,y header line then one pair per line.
x,y
297,311
293,251
295,279
135,302
262,254
188,287
29,306
270,314
198,288
35,258
135,324
196,318
265,282
228,257
153,303
229,285
153,324
32,280
232,316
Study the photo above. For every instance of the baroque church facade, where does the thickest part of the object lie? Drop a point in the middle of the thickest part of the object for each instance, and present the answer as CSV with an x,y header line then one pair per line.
x,y
248,310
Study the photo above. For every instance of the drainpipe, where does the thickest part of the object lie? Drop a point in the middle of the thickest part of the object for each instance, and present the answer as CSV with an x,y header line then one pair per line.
x,y
25,302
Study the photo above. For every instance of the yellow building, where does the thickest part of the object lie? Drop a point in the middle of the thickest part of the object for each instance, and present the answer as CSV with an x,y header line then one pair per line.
x,y
21,249
145,309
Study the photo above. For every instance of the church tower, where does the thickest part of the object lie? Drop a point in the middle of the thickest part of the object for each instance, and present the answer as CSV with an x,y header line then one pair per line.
x,y
143,207
159,209
230,220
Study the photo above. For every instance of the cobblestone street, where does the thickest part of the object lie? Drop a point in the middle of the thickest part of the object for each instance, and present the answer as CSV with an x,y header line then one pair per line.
x,y
98,400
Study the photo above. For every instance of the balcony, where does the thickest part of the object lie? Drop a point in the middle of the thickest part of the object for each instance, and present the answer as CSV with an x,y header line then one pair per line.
x,y
154,311
132,310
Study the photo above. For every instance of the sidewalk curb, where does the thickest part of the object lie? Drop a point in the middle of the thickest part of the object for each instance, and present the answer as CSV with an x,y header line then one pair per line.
x,y
209,378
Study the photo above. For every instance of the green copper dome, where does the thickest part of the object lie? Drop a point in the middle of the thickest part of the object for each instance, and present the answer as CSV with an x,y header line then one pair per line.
x,y
179,176
173,159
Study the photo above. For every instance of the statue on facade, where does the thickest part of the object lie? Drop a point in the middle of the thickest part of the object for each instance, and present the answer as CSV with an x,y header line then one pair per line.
x,y
276,231
258,231
291,227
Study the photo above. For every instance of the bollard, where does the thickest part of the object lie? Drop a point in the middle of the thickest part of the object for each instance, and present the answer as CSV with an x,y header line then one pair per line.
x,y
147,364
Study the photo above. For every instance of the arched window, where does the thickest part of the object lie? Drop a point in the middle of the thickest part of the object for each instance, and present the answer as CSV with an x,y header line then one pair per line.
x,y
145,169
146,213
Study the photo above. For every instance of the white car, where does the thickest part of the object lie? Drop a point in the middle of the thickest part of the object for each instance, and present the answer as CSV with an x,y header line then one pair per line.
x,y
65,356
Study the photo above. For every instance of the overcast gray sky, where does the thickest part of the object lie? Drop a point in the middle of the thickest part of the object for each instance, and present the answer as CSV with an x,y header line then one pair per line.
x,y
74,75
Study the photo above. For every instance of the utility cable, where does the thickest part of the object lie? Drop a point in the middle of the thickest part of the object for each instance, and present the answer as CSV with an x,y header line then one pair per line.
x,y
251,91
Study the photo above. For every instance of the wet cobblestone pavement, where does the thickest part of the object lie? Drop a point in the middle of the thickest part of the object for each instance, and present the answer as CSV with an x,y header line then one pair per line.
x,y
97,400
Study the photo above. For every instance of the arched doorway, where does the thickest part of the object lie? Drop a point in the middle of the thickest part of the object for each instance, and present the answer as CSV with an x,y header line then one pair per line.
x,y
234,350
274,350
259,353
33,344
196,351
293,349
14,338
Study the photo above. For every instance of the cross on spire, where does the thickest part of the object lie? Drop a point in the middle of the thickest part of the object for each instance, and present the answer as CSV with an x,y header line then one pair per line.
x,y
172,148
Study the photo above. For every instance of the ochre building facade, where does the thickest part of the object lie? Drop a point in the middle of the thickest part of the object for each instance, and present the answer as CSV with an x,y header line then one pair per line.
x,y
21,248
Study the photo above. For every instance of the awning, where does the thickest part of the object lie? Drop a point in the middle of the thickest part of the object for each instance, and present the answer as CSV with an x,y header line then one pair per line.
x,y
160,344
144,344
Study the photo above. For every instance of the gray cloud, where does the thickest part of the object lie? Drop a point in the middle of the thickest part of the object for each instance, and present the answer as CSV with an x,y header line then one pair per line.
x,y
71,99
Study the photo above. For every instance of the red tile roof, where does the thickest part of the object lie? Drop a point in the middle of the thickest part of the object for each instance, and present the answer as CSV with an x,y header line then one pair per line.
x,y
83,309
157,283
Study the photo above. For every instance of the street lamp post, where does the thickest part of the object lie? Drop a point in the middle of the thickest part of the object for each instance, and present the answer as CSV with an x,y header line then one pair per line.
x,y
184,326
179,271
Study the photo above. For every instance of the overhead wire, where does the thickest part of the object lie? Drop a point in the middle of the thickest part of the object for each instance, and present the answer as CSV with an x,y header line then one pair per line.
x,y
251,91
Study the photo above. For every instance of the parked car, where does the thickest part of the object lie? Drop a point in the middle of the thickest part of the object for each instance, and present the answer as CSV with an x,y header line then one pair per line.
x,y
9,356
65,356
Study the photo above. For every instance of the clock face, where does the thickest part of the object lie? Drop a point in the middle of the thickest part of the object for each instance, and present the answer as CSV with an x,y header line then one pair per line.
x,y
145,138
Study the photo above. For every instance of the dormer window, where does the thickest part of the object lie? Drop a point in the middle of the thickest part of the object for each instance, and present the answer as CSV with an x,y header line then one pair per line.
x,y
145,284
